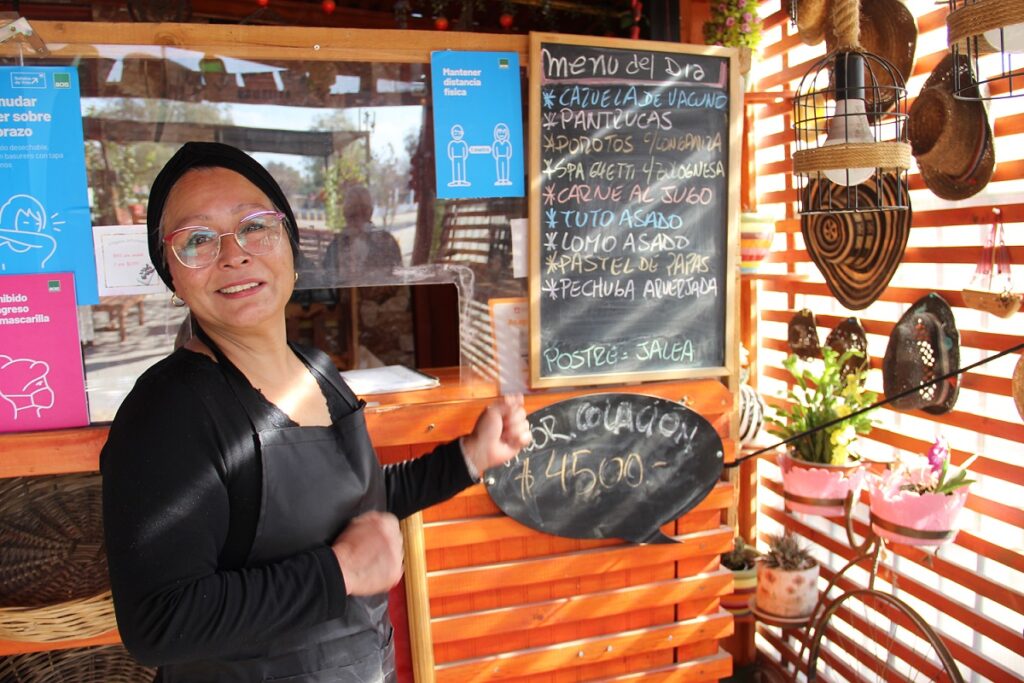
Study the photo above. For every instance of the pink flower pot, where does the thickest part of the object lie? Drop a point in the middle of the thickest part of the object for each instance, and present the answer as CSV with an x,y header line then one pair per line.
x,y
922,519
818,489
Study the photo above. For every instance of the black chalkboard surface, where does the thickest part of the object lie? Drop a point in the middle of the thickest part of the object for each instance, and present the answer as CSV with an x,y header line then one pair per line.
x,y
609,466
632,210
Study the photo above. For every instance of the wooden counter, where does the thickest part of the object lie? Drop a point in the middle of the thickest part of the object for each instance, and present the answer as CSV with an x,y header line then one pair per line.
x,y
490,599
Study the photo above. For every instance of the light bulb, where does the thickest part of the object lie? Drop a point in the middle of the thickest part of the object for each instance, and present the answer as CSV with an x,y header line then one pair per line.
x,y
849,123
1012,38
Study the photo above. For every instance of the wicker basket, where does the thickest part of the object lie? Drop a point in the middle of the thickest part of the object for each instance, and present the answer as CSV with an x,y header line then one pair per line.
x,y
53,570
82,665
51,532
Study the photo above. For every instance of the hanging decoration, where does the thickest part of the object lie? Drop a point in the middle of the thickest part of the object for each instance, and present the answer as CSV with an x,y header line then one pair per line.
x,y
440,20
328,6
846,150
989,35
991,288
951,137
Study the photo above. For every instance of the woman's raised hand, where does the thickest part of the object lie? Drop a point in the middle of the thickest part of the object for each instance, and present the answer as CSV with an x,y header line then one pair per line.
x,y
500,432
370,553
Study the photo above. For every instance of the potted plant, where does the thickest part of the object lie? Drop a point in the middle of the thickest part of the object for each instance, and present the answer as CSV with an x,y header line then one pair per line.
x,y
917,502
823,466
787,579
742,561
734,23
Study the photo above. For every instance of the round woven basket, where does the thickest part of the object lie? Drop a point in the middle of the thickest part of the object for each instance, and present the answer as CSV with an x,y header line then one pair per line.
x,y
51,532
53,569
83,665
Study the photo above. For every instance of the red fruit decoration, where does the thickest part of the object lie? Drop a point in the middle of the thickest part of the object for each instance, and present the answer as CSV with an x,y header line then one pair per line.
x,y
262,3
328,6
441,23
505,20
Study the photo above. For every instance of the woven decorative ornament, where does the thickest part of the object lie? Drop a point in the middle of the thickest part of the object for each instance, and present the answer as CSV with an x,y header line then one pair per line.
x,y
849,334
1018,386
751,414
951,138
924,344
803,335
857,252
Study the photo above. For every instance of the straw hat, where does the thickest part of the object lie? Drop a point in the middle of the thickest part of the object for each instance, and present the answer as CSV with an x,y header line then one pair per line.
x,y
887,30
810,17
1018,386
951,138
803,335
857,251
923,345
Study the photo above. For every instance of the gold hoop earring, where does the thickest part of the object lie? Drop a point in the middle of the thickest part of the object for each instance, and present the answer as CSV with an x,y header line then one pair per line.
x,y
176,300
296,276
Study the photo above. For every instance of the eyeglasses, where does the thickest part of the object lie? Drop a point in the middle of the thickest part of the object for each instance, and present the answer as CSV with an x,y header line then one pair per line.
x,y
196,246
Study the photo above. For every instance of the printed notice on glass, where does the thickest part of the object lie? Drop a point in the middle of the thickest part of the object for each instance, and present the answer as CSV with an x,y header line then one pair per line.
x,y
44,206
632,210
42,383
478,124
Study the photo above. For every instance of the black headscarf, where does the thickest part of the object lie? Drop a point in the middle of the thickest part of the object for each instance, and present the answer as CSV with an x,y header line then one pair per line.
x,y
209,155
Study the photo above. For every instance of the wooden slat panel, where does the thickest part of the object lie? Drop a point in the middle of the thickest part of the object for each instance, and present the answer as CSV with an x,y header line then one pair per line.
x,y
710,668
998,592
442,527
575,653
967,615
580,607
454,581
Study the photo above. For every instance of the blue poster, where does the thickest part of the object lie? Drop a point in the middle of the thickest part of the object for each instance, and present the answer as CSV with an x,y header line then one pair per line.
x,y
44,206
478,124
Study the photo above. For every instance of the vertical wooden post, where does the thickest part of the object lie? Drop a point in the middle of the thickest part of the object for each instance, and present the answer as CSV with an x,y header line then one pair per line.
x,y
417,600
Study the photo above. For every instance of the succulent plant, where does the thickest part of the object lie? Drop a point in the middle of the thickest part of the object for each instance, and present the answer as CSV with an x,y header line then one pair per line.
x,y
742,556
784,552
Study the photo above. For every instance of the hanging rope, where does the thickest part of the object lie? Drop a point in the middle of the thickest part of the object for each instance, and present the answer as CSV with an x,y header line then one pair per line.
x,y
846,24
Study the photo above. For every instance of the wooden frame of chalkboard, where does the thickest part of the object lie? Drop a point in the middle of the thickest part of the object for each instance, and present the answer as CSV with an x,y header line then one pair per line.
x,y
633,210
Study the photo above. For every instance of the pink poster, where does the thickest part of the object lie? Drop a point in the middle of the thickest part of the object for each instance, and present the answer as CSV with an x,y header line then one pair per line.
x,y
42,384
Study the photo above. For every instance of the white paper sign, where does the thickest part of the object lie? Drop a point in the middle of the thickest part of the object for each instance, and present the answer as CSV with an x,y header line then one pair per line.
x,y
517,228
122,261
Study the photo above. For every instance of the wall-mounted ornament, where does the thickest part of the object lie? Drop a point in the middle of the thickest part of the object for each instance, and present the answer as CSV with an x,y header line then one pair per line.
x,y
951,138
991,288
857,251
923,346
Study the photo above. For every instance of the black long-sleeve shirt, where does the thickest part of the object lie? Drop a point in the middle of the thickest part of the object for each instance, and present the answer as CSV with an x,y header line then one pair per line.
x,y
181,588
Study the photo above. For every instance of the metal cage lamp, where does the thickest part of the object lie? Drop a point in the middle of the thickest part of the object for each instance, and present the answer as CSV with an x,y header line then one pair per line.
x,y
989,34
850,125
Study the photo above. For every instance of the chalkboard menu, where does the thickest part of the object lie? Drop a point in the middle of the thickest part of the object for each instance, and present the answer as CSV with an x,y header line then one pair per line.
x,y
633,210
609,466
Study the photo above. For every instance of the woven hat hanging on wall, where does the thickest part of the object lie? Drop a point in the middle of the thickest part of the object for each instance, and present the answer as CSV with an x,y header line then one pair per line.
x,y
857,253
951,138
803,335
887,30
847,335
924,344
810,17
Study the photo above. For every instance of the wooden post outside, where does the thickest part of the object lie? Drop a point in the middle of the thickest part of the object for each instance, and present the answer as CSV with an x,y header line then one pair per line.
x,y
417,599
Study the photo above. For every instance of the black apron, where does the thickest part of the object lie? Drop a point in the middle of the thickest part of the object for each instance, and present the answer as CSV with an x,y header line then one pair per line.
x,y
315,479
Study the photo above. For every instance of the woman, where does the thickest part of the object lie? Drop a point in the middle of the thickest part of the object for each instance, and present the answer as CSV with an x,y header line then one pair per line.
x,y
251,533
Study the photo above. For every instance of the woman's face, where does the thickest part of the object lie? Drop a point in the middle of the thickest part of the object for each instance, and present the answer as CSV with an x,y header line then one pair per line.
x,y
238,291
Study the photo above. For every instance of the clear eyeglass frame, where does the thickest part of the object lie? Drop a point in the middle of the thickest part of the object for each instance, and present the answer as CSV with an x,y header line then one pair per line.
x,y
197,246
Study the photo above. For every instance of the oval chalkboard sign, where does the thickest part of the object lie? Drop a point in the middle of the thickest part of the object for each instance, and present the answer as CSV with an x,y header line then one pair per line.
x,y
609,466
